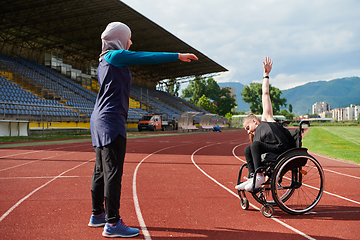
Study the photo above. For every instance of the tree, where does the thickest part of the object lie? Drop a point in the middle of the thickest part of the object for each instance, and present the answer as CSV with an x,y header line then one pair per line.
x,y
290,108
228,115
173,87
195,90
201,88
286,114
238,113
225,102
212,89
205,103
253,94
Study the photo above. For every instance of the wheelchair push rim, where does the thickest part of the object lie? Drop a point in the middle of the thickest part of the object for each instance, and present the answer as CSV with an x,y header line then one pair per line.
x,y
306,182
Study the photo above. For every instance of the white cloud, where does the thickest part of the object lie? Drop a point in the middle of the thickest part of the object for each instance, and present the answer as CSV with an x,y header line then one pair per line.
x,y
308,40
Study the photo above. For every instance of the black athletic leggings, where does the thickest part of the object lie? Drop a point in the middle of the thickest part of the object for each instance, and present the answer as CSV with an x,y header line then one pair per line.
x,y
106,180
253,154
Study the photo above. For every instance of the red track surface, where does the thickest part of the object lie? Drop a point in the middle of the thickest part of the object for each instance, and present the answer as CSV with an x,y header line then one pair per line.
x,y
184,187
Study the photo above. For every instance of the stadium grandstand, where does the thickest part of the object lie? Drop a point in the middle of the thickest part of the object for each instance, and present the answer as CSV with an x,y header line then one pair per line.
x,y
49,54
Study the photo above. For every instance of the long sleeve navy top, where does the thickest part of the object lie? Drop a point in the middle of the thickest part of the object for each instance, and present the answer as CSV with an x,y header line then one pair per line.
x,y
112,103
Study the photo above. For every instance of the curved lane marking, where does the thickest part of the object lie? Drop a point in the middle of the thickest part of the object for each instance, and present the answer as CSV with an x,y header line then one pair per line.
x,y
17,154
143,227
337,160
37,189
38,160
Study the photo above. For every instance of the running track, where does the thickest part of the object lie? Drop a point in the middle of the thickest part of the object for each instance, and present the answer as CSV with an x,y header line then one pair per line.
x,y
179,186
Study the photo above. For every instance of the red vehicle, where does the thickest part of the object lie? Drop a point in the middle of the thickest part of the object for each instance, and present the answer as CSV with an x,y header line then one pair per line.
x,y
153,123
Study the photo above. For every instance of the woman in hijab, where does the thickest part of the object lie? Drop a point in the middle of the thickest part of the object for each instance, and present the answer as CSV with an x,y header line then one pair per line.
x,y
108,120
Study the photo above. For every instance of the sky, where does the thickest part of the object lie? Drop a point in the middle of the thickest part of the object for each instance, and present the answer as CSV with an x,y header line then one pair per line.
x,y
308,40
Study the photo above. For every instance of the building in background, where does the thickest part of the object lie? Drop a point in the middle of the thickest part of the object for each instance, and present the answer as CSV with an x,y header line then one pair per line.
x,y
351,113
342,114
320,107
326,114
322,111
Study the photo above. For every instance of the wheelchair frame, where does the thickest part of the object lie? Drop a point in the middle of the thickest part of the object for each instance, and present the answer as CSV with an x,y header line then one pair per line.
x,y
295,180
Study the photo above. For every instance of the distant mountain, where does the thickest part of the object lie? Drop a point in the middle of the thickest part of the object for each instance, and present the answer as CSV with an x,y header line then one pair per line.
x,y
337,93
242,106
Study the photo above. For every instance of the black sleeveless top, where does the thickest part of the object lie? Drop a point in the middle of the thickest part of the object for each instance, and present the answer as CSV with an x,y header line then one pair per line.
x,y
274,134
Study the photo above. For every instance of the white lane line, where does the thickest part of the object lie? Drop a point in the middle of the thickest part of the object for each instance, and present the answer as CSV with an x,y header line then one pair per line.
x,y
233,152
37,189
19,165
341,197
332,194
331,212
144,230
23,153
347,175
236,195
51,149
13,178
143,227
337,160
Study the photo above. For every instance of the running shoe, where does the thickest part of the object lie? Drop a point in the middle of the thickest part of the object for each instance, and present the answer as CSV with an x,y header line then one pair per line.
x,y
97,221
241,186
259,181
119,230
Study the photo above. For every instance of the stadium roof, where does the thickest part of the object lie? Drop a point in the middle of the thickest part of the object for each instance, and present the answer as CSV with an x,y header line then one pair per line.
x,y
29,29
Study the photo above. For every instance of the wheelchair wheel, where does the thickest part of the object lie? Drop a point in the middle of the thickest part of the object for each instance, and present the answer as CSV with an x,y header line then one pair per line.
x,y
244,203
267,210
298,183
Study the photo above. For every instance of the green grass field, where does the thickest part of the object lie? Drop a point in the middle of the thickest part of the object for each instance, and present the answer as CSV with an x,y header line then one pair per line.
x,y
335,142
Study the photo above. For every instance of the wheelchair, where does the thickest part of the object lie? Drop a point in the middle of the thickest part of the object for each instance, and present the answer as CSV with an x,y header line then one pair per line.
x,y
295,180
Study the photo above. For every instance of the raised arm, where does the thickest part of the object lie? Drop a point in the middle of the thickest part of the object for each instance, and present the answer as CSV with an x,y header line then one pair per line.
x,y
267,115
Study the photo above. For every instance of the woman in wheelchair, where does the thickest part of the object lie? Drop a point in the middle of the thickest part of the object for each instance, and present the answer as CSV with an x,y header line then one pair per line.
x,y
266,135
